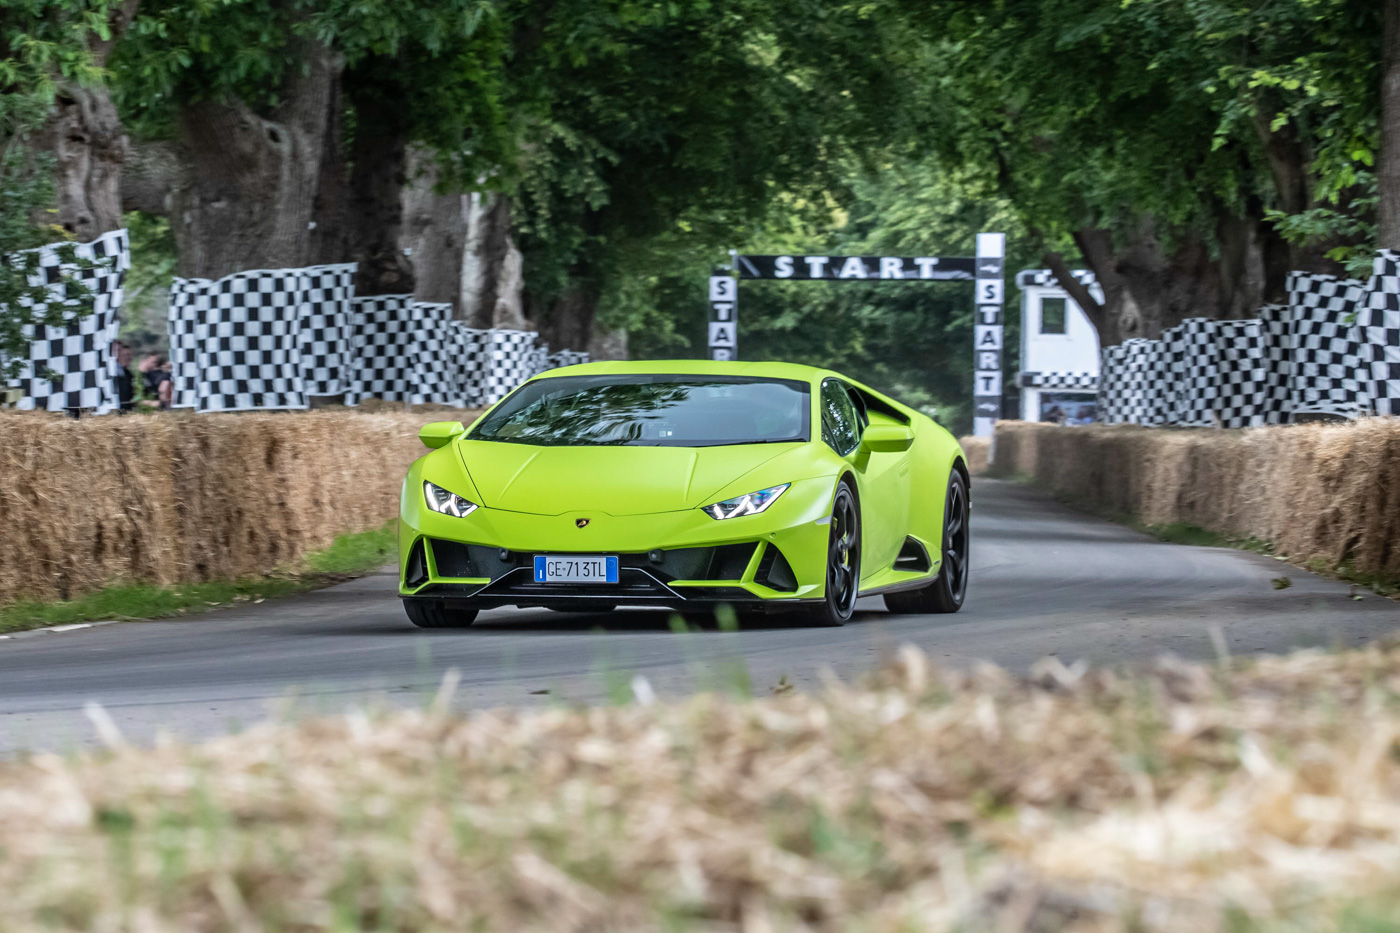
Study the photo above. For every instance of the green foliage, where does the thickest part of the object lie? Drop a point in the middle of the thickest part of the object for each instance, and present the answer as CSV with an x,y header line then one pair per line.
x,y
43,44
1098,114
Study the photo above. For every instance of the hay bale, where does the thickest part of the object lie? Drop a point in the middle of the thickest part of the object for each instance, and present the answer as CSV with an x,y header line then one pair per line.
x,y
976,450
1316,491
182,497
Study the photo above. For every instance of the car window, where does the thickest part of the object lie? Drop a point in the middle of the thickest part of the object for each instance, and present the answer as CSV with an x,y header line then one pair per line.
x,y
841,424
651,410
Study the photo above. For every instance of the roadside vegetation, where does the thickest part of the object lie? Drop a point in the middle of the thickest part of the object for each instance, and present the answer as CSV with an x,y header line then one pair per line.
x,y
349,556
1257,796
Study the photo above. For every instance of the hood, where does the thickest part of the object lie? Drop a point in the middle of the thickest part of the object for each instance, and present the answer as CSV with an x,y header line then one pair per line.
x,y
612,480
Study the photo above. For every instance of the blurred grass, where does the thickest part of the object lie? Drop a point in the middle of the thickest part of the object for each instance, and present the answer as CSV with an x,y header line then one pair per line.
x,y
349,555
1246,796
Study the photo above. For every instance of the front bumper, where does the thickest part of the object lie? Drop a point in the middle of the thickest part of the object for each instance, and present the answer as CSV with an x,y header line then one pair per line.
x,y
674,560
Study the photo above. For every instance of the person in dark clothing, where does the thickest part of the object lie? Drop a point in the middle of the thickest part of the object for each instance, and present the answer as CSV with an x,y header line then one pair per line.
x,y
154,372
126,388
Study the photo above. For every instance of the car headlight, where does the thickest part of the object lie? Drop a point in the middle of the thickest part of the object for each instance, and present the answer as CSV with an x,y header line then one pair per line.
x,y
448,503
750,504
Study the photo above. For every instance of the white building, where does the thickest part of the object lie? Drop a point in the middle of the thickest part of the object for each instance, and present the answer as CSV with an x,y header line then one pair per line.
x,y
1059,376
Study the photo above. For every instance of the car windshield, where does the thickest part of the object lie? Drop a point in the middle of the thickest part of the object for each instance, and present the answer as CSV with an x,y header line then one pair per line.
x,y
651,410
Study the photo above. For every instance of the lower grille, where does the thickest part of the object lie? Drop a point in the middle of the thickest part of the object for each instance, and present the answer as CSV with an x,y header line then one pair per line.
x,y
633,584
452,558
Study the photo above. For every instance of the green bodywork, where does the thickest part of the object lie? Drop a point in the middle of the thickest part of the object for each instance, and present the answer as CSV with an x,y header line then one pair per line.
x,y
642,498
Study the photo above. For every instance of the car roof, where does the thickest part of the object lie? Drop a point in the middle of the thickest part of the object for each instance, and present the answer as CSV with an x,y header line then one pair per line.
x,y
757,369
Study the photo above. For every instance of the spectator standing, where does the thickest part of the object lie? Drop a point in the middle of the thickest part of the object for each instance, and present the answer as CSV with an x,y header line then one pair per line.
x,y
126,388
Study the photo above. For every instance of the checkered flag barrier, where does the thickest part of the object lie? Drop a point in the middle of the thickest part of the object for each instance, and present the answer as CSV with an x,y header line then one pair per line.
x,y
1110,406
1198,388
510,362
573,357
1326,346
247,355
1277,335
1380,330
323,336
189,301
382,338
1241,373
76,356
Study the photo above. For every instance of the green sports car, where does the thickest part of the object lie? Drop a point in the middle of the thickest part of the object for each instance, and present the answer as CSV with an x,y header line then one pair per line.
x,y
686,485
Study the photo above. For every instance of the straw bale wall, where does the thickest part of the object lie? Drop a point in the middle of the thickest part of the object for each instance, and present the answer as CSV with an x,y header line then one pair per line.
x,y
975,448
1325,492
181,498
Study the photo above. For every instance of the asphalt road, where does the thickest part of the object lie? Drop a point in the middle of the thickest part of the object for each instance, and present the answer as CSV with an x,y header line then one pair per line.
x,y
1046,580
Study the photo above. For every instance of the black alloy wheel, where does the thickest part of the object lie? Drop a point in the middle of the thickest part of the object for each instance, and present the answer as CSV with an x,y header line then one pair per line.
x,y
948,590
842,561
435,615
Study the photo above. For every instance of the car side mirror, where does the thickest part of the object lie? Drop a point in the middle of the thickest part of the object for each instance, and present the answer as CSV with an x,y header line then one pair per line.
x,y
887,438
437,434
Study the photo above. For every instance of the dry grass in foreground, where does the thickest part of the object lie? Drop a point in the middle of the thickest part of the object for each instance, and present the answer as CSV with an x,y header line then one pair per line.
x,y
1178,799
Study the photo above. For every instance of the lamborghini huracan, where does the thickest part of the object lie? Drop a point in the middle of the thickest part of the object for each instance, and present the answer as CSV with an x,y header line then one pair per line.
x,y
685,485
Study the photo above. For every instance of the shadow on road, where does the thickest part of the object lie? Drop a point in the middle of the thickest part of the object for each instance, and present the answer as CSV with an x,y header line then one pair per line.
x,y
547,622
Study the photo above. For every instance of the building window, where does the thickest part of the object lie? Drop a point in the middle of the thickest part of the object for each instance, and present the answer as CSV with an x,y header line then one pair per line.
x,y
1052,315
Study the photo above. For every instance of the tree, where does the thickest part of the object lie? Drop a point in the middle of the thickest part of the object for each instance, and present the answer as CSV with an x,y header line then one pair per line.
x,y
1389,233
46,56
1189,150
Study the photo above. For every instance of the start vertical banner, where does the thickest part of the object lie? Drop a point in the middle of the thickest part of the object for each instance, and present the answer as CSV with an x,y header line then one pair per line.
x,y
724,317
989,283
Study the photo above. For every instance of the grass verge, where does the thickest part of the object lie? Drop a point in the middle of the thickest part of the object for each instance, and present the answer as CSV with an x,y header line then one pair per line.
x,y
349,556
1236,797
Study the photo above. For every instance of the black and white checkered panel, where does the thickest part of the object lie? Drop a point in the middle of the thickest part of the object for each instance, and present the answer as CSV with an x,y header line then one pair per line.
x,y
1173,373
247,356
437,377
1276,331
539,359
1326,348
189,303
1197,387
1112,382
472,356
1136,405
76,356
573,357
509,362
1380,330
1087,382
1241,380
382,332
323,338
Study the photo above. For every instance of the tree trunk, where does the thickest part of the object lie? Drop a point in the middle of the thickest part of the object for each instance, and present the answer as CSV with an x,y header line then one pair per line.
x,y
253,182
568,322
359,218
433,234
84,135
1389,232
492,268
462,249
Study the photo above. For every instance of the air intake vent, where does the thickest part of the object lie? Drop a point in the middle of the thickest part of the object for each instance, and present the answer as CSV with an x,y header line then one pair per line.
x,y
774,571
913,558
415,572
451,558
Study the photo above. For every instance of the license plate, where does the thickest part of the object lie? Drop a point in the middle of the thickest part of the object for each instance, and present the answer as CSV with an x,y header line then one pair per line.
x,y
550,568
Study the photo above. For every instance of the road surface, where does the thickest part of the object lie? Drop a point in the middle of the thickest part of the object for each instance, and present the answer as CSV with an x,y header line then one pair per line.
x,y
1046,580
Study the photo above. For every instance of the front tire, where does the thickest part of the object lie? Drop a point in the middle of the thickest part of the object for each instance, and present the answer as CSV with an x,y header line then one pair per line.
x,y
948,590
431,615
842,561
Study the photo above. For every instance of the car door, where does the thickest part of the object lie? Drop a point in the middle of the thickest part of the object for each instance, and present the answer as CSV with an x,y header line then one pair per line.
x,y
882,479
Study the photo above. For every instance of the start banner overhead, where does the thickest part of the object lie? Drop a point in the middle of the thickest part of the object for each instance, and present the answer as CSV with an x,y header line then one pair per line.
x,y
858,268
